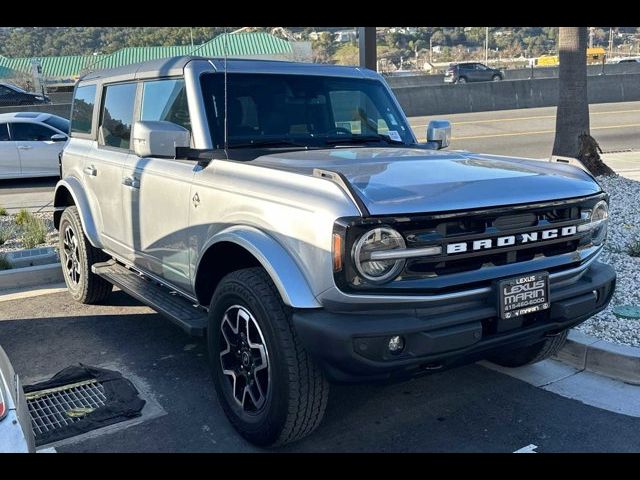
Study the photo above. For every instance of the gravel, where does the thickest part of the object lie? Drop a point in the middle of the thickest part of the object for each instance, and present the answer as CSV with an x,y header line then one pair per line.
x,y
15,241
624,229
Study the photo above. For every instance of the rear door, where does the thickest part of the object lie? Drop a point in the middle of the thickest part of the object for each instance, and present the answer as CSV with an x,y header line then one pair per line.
x,y
105,160
37,152
9,160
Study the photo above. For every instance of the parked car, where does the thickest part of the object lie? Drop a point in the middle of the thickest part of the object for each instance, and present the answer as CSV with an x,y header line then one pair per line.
x,y
288,211
12,95
30,143
471,72
16,434
629,60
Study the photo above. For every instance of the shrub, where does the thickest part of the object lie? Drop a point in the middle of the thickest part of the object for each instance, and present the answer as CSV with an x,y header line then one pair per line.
x,y
34,233
4,263
23,217
634,248
3,212
5,234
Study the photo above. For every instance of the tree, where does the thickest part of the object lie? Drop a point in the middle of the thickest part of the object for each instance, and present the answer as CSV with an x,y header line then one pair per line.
x,y
572,117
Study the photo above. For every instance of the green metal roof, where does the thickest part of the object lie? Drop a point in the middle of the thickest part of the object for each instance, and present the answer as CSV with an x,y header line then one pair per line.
x,y
237,44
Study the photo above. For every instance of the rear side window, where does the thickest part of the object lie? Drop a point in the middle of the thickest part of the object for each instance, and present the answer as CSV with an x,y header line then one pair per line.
x,y
4,132
165,100
82,110
61,124
31,132
117,115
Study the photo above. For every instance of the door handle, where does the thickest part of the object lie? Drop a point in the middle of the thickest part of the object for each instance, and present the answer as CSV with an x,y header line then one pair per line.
x,y
91,171
131,182
24,147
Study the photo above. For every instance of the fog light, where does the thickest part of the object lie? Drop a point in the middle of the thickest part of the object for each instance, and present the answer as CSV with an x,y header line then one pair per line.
x,y
396,344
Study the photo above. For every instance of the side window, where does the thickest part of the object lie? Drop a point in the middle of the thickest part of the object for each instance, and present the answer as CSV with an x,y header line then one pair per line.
x,y
4,132
31,132
82,110
4,91
117,115
165,100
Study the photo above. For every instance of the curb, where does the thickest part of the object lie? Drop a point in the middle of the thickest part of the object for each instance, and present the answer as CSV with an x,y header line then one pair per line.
x,y
30,276
620,362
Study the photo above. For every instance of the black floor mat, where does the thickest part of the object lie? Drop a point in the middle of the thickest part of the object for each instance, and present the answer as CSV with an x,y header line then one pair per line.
x,y
79,399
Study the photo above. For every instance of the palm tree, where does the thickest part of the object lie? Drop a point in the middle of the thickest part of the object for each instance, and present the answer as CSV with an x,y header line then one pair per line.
x,y
572,118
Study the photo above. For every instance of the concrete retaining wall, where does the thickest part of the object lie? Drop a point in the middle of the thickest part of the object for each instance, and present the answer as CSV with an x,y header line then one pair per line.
x,y
509,95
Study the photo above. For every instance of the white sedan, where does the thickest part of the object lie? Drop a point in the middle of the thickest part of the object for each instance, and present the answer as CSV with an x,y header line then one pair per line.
x,y
30,143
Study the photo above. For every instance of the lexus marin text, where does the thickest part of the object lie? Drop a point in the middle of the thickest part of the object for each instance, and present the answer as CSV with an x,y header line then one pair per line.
x,y
287,212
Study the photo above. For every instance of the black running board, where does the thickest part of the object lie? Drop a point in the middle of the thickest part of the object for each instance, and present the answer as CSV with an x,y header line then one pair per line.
x,y
175,307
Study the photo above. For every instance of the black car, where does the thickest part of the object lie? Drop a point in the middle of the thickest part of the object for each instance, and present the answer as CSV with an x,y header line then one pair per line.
x,y
471,72
10,96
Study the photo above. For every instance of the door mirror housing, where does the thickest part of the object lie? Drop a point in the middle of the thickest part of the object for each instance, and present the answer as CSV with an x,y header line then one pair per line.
x,y
439,134
58,137
159,138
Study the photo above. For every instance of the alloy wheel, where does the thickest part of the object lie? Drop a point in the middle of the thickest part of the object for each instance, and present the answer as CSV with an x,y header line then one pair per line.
x,y
71,253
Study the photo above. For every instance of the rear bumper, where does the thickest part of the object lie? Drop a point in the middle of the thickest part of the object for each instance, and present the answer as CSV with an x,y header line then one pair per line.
x,y
352,346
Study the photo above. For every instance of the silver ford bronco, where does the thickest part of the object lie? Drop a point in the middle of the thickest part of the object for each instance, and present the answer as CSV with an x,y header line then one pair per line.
x,y
288,212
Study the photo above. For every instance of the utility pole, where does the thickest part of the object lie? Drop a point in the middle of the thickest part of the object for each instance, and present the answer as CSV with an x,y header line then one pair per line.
x,y
610,41
592,31
431,49
486,45
191,33
367,47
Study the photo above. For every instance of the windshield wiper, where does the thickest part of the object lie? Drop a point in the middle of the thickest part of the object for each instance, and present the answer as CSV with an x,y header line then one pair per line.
x,y
269,143
364,139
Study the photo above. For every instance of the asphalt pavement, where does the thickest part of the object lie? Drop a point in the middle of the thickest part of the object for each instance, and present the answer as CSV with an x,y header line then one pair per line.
x,y
469,409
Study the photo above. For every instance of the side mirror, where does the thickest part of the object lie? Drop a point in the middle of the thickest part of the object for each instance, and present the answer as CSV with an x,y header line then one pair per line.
x,y
58,137
439,133
159,139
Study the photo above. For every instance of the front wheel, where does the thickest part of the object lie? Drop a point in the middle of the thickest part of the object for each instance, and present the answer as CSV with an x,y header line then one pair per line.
x,y
462,80
77,255
496,78
535,353
269,387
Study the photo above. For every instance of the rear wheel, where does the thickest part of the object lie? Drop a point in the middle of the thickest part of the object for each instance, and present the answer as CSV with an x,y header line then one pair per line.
x,y
77,255
531,354
269,387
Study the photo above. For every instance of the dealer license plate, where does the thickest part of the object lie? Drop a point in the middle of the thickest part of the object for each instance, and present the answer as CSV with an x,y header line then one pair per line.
x,y
525,294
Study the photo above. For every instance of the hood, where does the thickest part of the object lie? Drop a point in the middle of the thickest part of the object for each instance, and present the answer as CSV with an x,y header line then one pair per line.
x,y
404,180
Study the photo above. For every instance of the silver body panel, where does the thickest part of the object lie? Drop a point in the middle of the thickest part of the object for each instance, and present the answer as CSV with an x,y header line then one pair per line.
x,y
16,435
274,206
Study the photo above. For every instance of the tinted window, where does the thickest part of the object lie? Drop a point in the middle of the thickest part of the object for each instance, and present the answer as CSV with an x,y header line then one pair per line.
x,y
4,132
31,132
82,110
5,91
166,100
307,109
61,124
117,115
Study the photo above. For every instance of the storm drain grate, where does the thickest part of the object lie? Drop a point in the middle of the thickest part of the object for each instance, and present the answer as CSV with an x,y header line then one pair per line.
x,y
60,407
79,399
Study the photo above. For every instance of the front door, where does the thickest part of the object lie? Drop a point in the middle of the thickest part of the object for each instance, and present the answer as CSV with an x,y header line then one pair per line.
x,y
38,153
155,192
9,160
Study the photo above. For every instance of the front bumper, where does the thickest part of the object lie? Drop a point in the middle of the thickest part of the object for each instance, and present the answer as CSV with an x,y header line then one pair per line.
x,y
352,346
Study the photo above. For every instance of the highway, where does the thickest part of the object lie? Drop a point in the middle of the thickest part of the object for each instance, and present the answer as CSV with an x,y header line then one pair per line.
x,y
530,132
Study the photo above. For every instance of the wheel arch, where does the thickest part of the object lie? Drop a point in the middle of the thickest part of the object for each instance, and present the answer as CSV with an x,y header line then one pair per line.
x,y
244,247
68,193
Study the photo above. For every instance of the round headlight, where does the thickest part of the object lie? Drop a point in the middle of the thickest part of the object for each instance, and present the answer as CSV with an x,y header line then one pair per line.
x,y
380,239
599,221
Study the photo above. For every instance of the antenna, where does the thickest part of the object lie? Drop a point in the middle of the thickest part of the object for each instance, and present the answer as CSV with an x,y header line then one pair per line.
x,y
225,88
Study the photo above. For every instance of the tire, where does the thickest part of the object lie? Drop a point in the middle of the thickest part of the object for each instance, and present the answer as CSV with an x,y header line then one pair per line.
x,y
496,78
462,80
76,256
531,354
290,404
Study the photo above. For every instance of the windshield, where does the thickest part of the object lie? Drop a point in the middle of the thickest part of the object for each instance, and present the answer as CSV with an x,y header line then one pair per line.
x,y
301,111
15,87
61,124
